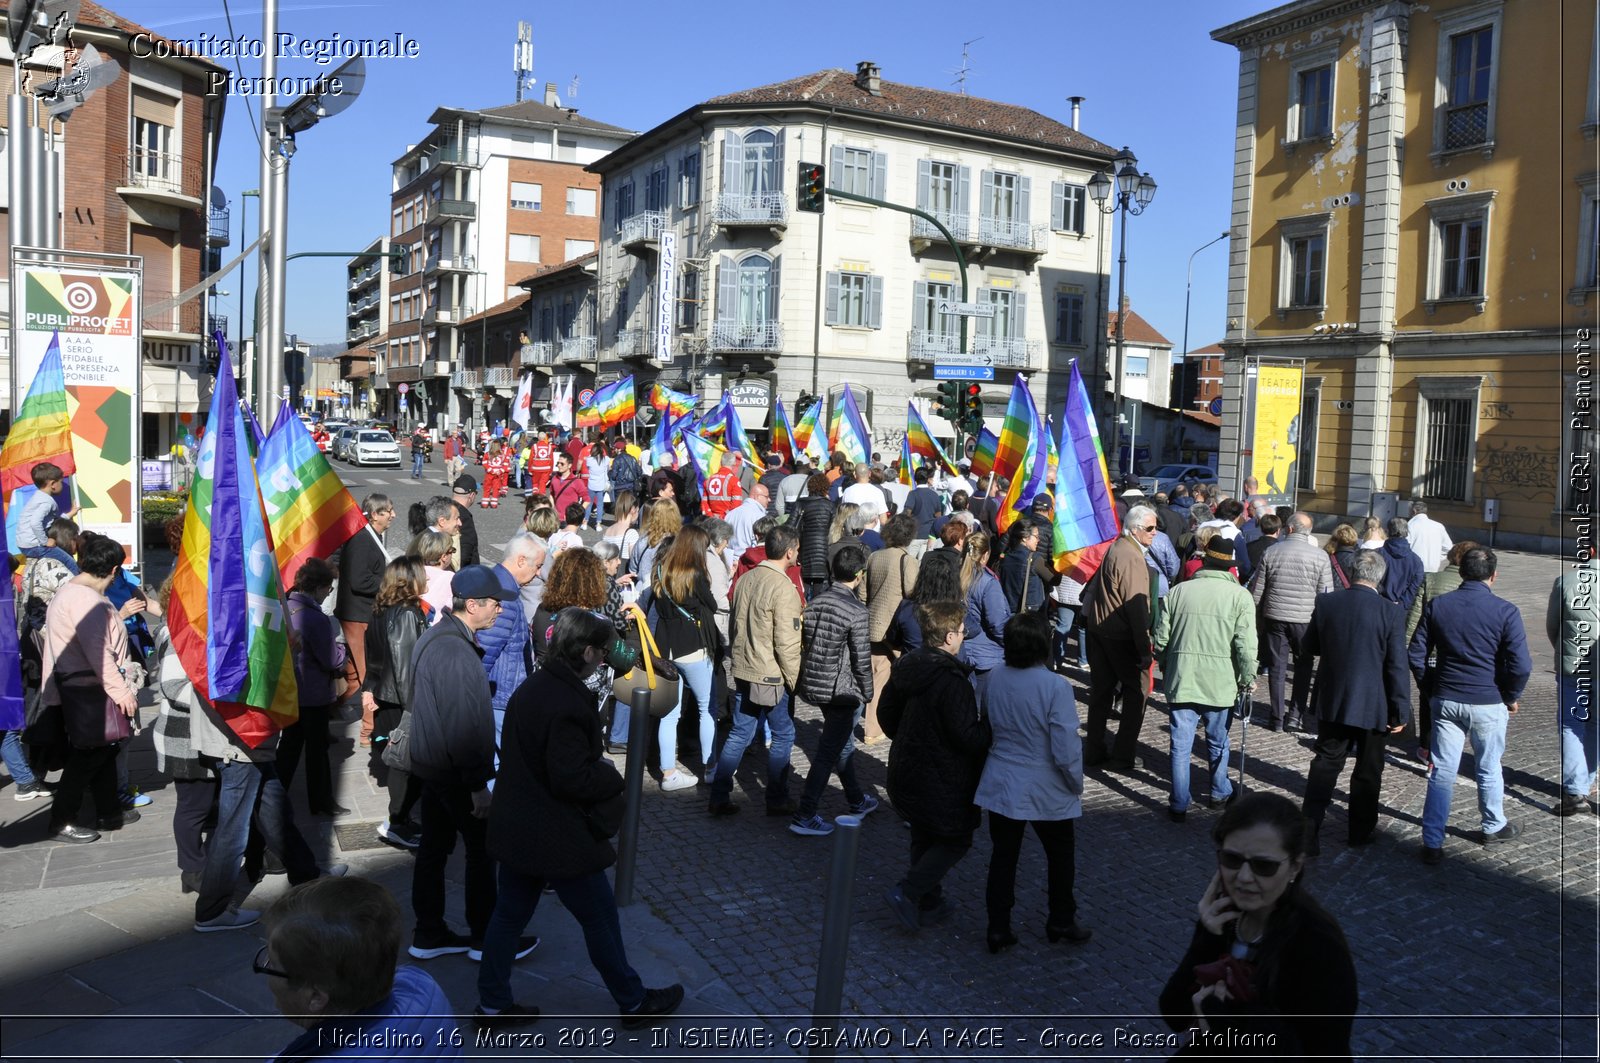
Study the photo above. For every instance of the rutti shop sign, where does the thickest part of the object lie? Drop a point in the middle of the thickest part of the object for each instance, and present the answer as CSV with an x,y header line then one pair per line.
x,y
97,313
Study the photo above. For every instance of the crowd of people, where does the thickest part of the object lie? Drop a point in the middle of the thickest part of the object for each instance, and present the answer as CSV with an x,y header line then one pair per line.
x,y
900,614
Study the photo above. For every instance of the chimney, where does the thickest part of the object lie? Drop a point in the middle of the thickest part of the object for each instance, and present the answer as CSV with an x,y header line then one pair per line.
x,y
1077,106
868,77
550,97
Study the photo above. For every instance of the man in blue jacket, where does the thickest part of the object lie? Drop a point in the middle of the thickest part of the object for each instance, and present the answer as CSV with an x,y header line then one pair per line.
x,y
1481,668
507,643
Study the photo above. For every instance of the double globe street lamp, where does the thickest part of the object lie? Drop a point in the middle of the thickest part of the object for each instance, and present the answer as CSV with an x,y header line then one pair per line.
x,y
1134,191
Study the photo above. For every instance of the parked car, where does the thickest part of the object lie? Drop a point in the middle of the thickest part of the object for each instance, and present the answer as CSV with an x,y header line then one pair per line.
x,y
1164,478
342,440
373,447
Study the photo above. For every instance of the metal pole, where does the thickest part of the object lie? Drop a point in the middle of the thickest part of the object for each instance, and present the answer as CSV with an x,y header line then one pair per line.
x,y
1122,314
633,789
829,993
1183,376
269,284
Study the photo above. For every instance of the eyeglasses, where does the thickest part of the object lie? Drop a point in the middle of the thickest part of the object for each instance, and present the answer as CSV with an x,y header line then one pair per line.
x,y
260,966
1260,866
1146,528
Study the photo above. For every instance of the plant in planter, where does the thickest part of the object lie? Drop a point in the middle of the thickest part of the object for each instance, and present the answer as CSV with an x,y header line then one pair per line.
x,y
158,508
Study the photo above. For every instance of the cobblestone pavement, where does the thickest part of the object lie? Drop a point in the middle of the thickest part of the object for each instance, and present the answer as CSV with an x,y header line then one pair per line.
x,y
734,907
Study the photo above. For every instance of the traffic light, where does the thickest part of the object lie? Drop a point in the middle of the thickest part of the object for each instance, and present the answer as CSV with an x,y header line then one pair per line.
x,y
950,401
812,182
804,403
974,408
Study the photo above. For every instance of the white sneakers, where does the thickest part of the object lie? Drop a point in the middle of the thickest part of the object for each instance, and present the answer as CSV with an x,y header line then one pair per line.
x,y
678,780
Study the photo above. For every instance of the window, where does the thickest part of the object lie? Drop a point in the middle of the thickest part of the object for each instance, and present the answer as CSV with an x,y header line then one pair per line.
x,y
523,248
1303,252
574,248
1587,276
397,228
1446,442
655,189
998,326
1066,206
569,315
1458,246
689,181
1466,78
1311,83
1000,195
926,298
1069,318
410,219
155,120
1003,209
689,299
854,300
624,302
747,291
1310,402
581,201
762,155
859,170
394,308
1135,365
624,203
943,183
547,323
526,196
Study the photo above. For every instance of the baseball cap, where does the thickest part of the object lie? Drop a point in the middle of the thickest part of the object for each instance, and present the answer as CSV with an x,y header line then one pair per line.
x,y
479,581
465,485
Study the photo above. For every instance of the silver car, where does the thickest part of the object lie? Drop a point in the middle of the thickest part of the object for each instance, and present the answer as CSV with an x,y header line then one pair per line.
x,y
340,447
1164,478
373,447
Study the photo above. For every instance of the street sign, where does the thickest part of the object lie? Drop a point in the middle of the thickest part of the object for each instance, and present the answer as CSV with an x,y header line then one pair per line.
x,y
956,309
585,396
402,388
977,358
943,371
402,404
1216,406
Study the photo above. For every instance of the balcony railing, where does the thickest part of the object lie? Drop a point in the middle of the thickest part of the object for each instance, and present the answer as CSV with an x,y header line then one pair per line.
x,y
736,336
927,345
364,277
636,343
365,330
1466,127
542,353
452,155
1014,233
766,208
185,319
217,226
451,210
960,226
1008,352
450,264
446,315
643,228
164,173
466,379
577,349
501,377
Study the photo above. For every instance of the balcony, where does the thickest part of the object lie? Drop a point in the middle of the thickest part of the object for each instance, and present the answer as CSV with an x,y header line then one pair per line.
x,y
362,305
163,177
219,323
766,209
928,345
185,319
443,210
635,343
435,368
577,349
217,227
501,377
989,234
541,353
446,315
451,155
924,233
643,230
450,264
466,380
363,277
1008,352
1011,234
364,331
762,337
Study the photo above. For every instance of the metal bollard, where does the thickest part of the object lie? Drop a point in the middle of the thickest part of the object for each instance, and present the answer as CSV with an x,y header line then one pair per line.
x,y
633,790
825,1000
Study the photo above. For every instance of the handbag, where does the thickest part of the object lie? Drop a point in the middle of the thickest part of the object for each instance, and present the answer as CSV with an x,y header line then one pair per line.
x,y
397,749
92,719
1236,975
664,693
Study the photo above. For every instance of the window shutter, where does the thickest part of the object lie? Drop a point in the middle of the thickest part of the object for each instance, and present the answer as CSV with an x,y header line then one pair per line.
x,y
772,291
1019,315
875,302
830,313
924,183
1058,206
985,192
727,289
964,191
775,175
732,163
835,165
985,324
880,175
919,304
1024,213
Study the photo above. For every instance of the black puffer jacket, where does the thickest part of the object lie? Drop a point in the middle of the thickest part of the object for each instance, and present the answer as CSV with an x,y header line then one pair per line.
x,y
835,653
551,768
940,742
812,517
392,635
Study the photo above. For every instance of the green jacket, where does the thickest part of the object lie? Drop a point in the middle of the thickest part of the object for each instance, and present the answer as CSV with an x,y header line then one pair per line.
x,y
1434,584
1206,641
1573,615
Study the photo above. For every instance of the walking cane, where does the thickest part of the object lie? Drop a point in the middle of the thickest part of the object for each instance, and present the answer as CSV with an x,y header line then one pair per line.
x,y
1242,709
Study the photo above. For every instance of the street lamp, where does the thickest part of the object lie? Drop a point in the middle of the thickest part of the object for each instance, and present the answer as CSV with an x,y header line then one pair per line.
x,y
1134,192
1183,376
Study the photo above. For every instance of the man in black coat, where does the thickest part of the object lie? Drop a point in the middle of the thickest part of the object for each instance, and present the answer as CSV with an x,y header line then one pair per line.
x,y
929,708
464,492
1363,693
1402,580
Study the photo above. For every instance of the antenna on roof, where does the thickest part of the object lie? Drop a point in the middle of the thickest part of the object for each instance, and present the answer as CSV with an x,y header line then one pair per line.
x,y
522,57
961,74
572,88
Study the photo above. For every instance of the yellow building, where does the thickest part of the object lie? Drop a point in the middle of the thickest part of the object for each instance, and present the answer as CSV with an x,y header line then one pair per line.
x,y
1414,219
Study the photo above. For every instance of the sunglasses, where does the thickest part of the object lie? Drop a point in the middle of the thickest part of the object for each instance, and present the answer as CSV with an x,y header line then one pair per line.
x,y
260,965
1260,866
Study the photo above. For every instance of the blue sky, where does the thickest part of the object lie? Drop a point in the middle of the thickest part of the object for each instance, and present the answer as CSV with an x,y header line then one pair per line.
x,y
1153,78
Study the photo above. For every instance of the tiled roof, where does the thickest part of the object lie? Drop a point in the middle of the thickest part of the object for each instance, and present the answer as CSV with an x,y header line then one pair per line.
x,y
1136,330
549,272
838,88
534,111
495,311
93,15
1210,350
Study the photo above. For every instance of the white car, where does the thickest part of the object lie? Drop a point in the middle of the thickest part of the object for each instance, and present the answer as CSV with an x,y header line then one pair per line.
x,y
372,447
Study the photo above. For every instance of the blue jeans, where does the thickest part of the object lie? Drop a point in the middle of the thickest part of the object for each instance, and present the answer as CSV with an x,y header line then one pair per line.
x,y
52,551
249,788
696,680
1186,719
15,760
1577,735
1453,723
417,458
834,748
745,719
595,507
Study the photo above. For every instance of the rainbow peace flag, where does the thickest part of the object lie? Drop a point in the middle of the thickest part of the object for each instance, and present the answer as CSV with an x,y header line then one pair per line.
x,y
42,430
922,441
1086,516
664,446
256,436
615,404
664,398
905,459
1022,421
983,453
1029,478
706,457
227,615
783,441
805,433
308,509
847,430
736,440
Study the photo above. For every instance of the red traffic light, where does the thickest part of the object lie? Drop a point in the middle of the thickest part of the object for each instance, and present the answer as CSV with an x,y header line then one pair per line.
x,y
974,390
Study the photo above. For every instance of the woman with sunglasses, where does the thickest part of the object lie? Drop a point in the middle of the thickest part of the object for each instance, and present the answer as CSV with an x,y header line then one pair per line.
x,y
1268,972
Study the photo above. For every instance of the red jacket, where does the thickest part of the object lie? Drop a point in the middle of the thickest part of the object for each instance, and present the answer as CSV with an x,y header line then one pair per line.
x,y
564,493
722,494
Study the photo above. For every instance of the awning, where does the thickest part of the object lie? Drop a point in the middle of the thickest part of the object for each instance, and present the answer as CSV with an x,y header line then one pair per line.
x,y
170,389
753,417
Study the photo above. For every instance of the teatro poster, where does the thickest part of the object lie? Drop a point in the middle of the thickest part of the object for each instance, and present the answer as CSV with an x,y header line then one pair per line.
x,y
1275,442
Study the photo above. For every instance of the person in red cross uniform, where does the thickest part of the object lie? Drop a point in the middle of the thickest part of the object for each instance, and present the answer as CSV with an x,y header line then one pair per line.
x,y
722,494
496,470
540,461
